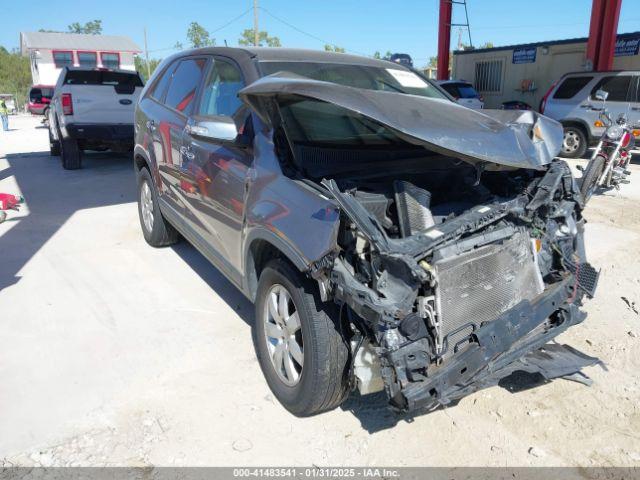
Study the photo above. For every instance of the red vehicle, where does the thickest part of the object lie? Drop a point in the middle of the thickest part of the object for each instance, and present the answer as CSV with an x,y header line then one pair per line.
x,y
39,99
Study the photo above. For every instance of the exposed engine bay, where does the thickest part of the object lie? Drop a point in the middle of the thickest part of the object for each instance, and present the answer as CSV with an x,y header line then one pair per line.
x,y
459,252
451,270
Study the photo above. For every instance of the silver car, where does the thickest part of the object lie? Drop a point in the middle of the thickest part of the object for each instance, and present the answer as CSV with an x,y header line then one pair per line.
x,y
571,101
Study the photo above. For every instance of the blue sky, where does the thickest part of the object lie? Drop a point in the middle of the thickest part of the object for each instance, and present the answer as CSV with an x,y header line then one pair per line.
x,y
359,26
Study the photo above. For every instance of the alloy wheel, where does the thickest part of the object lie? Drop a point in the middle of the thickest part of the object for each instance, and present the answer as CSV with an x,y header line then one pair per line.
x,y
146,206
283,335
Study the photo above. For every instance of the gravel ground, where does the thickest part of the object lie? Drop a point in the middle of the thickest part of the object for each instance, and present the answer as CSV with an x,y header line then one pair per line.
x,y
115,353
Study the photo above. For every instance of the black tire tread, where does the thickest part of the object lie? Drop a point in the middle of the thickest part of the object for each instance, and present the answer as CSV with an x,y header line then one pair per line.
x,y
590,176
163,233
329,385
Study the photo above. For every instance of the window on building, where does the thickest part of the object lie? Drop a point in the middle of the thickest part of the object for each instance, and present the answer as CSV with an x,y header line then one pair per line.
x,y
87,59
617,87
220,94
63,59
110,60
488,76
571,86
184,85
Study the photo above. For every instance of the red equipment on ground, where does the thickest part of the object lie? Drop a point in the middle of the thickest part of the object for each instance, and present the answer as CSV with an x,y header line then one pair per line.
x,y
8,201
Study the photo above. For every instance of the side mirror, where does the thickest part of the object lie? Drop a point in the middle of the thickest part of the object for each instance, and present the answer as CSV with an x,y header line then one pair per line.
x,y
601,95
222,129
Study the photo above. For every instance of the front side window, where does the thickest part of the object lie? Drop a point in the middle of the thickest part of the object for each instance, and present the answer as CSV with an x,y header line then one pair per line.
x,y
395,78
88,59
110,60
184,85
220,94
571,86
617,87
63,59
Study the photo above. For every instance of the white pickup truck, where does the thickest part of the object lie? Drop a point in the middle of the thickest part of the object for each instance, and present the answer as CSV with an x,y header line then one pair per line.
x,y
92,109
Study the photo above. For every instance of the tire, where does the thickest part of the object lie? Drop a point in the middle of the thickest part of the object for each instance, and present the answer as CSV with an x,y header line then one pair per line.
x,y
70,153
155,229
574,142
54,145
593,171
322,379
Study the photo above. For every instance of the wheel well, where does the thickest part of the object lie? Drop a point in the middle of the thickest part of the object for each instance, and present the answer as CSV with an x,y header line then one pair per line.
x,y
580,125
140,163
260,253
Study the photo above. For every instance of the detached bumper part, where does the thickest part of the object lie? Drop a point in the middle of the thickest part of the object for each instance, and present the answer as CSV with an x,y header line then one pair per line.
x,y
501,347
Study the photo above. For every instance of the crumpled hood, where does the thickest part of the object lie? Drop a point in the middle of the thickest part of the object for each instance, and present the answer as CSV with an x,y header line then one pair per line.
x,y
514,138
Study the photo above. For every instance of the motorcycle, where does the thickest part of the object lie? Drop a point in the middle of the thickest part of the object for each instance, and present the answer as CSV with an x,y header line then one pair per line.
x,y
607,167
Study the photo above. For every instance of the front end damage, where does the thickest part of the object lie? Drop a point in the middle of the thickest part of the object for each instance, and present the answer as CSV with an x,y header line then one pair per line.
x,y
465,302
459,253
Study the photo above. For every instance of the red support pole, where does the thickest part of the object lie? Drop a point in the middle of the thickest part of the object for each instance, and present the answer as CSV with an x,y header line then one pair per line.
x,y
595,31
608,35
444,39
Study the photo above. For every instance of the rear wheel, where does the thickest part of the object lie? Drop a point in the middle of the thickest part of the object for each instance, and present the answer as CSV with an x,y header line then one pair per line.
x,y
590,177
70,153
54,145
300,349
156,230
574,143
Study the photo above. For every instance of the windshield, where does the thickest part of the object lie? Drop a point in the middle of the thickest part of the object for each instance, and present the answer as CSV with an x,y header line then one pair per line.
x,y
395,78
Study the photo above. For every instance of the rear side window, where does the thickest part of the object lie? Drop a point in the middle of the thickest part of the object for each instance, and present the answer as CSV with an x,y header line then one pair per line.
x,y
99,77
467,91
617,87
160,88
571,86
184,85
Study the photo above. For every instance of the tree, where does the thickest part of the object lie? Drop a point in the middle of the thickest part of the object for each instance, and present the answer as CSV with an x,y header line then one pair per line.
x,y
91,28
247,38
387,55
15,74
141,66
198,36
334,48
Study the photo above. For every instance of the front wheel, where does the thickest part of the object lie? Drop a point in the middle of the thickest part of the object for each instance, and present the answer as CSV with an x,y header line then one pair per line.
x,y
300,349
590,177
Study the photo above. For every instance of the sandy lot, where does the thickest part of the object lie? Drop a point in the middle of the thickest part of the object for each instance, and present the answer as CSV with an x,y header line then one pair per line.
x,y
115,353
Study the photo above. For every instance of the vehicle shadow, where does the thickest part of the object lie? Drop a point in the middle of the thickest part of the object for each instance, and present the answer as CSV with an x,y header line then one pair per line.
x,y
222,287
52,196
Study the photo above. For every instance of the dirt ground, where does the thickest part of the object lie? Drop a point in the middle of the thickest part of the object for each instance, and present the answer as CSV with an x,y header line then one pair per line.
x,y
115,353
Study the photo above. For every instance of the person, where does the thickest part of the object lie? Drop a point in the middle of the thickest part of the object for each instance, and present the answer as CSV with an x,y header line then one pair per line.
x,y
4,114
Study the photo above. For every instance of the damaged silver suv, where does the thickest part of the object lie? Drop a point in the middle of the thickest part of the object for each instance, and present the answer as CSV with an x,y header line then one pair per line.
x,y
389,238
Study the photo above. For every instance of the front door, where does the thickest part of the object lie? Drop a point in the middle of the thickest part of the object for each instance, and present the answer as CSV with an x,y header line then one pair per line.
x,y
619,88
217,173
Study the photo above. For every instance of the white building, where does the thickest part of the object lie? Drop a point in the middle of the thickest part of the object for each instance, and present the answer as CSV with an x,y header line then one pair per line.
x,y
49,52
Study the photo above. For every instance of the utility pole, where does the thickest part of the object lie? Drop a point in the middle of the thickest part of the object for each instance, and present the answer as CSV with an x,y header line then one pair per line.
x,y
255,23
146,54
459,38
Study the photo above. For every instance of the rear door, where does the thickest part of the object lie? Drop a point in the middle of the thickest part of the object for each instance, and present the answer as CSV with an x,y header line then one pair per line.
x,y
103,97
174,96
216,172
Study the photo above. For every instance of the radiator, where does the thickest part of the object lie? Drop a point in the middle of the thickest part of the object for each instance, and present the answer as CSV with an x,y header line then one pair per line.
x,y
477,286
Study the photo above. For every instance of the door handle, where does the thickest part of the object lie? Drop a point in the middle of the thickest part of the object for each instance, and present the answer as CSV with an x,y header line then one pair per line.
x,y
187,152
635,109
